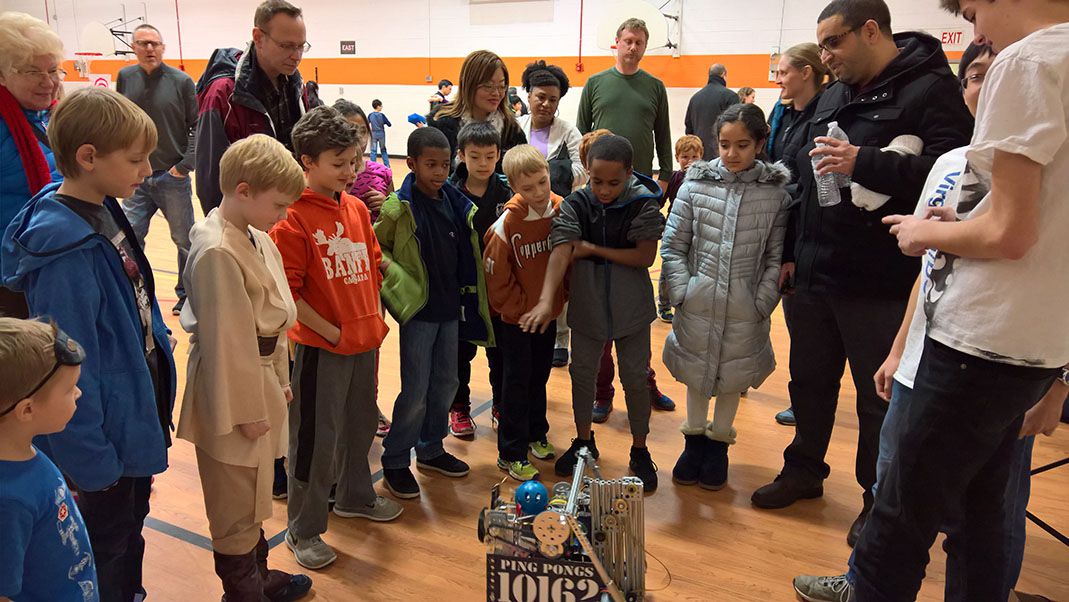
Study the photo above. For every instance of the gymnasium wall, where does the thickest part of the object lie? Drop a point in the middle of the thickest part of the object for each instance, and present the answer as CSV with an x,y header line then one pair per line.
x,y
401,45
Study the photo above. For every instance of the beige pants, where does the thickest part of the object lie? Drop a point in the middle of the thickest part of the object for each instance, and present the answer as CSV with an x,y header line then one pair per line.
x,y
237,500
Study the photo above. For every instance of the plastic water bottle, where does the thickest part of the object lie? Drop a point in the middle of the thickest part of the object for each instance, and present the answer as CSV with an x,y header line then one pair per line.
x,y
828,184
834,131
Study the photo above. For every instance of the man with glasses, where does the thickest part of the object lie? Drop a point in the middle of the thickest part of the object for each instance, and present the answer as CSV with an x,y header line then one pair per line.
x,y
852,283
258,91
169,97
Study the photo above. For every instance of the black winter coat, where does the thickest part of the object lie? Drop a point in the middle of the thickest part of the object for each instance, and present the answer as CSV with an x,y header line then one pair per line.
x,y
703,110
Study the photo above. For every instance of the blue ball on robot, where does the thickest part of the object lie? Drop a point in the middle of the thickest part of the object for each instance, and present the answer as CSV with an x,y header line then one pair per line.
x,y
532,497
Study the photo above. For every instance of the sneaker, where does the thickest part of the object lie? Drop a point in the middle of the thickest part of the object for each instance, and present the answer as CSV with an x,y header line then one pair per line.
x,y
662,402
400,482
602,409
543,450
177,309
665,314
384,426
643,467
495,417
521,470
823,589
382,510
565,465
446,464
786,417
560,357
461,424
280,488
311,553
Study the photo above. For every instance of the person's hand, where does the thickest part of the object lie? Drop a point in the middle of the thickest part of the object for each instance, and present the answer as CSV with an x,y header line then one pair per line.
x,y
941,214
174,172
839,156
786,274
538,319
582,249
384,265
904,228
885,376
287,392
335,335
254,430
1045,416
374,199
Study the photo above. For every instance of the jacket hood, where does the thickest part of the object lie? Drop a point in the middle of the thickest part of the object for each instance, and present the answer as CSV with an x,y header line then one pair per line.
x,y
319,200
917,50
774,174
42,232
640,188
522,209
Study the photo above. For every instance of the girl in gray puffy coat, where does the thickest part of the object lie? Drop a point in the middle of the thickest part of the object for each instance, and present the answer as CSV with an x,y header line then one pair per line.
x,y
721,259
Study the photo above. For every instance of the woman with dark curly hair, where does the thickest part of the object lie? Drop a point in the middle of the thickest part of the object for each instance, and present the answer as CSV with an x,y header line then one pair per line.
x,y
557,139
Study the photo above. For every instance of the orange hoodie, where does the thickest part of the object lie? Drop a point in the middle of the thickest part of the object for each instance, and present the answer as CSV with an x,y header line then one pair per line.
x,y
517,257
332,261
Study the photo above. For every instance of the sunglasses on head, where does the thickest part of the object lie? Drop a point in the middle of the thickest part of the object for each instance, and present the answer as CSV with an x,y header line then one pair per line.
x,y
68,353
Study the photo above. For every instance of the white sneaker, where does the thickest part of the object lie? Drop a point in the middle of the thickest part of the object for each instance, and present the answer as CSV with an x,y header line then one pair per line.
x,y
382,510
312,553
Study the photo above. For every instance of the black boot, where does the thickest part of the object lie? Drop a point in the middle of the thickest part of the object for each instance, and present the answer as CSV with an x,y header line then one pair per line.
x,y
690,461
714,471
565,465
241,577
279,586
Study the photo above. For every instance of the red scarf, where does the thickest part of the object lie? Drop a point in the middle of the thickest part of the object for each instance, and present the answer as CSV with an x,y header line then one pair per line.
x,y
34,163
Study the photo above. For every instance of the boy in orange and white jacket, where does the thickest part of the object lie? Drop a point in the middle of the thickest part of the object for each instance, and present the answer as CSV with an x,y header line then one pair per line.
x,y
516,258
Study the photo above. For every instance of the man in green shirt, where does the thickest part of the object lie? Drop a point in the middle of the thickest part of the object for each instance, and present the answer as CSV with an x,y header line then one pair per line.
x,y
631,103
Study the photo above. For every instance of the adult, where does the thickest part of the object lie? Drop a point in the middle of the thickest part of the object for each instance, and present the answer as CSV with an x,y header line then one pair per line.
x,y
30,78
169,97
852,284
706,106
802,78
630,102
747,95
484,81
255,91
445,88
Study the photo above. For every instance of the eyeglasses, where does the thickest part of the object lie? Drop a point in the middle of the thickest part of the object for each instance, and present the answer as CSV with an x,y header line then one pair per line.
x,y
832,43
975,78
289,47
148,44
68,353
491,88
56,74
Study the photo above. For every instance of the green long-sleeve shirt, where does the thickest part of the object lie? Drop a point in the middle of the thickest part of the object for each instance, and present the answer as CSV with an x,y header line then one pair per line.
x,y
632,106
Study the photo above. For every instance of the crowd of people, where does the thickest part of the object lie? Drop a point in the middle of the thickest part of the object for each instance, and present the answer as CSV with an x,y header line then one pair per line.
x,y
936,278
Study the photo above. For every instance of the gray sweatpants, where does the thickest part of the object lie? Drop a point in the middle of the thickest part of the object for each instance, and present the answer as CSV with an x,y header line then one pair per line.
x,y
633,357
333,419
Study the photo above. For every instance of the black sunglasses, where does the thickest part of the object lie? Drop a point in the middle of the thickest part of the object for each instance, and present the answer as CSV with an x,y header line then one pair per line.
x,y
68,353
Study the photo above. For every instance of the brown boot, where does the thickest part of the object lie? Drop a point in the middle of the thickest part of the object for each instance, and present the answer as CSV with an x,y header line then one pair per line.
x,y
279,586
241,578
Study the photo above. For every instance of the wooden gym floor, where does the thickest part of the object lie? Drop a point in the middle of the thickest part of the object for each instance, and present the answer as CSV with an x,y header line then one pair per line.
x,y
716,545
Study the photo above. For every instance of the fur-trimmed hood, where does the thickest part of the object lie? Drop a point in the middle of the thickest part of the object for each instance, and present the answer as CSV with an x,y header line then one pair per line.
x,y
775,174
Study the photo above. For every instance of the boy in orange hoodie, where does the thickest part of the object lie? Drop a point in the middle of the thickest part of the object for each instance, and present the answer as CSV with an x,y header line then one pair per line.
x,y
333,264
516,257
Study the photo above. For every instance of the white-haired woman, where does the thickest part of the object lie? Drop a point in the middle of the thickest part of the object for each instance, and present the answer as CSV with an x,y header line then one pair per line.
x,y
30,75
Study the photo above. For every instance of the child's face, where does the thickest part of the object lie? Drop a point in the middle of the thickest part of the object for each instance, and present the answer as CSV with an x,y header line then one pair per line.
x,y
333,170
608,179
738,149
533,187
687,157
54,403
262,209
481,161
430,168
363,132
974,81
993,22
118,174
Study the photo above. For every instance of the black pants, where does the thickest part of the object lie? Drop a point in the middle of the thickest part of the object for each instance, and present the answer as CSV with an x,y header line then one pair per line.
x,y
466,353
13,304
826,332
114,518
955,451
528,360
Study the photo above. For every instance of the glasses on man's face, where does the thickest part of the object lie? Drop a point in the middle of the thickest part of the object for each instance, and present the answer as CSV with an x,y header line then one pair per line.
x,y
58,74
832,43
975,79
491,88
289,47
148,44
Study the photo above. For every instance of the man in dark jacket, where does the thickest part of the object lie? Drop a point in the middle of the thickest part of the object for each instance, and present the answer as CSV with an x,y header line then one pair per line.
x,y
262,93
852,283
706,106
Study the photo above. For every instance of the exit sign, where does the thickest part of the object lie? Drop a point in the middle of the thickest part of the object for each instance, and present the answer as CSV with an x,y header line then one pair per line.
x,y
953,39
348,47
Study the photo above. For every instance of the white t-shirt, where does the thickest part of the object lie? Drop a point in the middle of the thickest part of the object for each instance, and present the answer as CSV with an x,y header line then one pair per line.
x,y
1017,312
942,188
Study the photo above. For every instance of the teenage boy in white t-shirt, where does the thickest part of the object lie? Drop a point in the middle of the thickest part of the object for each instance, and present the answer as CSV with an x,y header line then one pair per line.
x,y
997,336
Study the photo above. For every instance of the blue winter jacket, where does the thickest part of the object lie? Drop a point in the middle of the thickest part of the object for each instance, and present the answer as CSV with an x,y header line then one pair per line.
x,y
14,189
75,276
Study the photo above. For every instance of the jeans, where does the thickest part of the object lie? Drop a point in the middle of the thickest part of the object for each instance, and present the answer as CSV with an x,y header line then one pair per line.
x,y
114,518
528,359
1018,490
428,384
378,143
956,452
174,198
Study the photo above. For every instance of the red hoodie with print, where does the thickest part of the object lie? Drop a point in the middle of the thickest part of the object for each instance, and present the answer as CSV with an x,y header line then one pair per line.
x,y
332,262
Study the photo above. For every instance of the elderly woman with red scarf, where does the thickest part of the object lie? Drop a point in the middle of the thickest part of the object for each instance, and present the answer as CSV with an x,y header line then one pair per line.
x,y
30,79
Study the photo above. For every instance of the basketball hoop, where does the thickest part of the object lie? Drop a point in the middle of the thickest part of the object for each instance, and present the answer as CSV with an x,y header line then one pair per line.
x,y
83,60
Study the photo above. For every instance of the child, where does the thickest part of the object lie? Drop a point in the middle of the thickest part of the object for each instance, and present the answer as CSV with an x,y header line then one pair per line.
x,y
379,123
234,409
332,262
610,229
516,257
478,150
721,256
75,255
688,150
44,546
434,289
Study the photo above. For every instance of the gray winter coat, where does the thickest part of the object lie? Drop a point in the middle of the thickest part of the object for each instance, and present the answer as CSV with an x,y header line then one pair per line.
x,y
721,258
